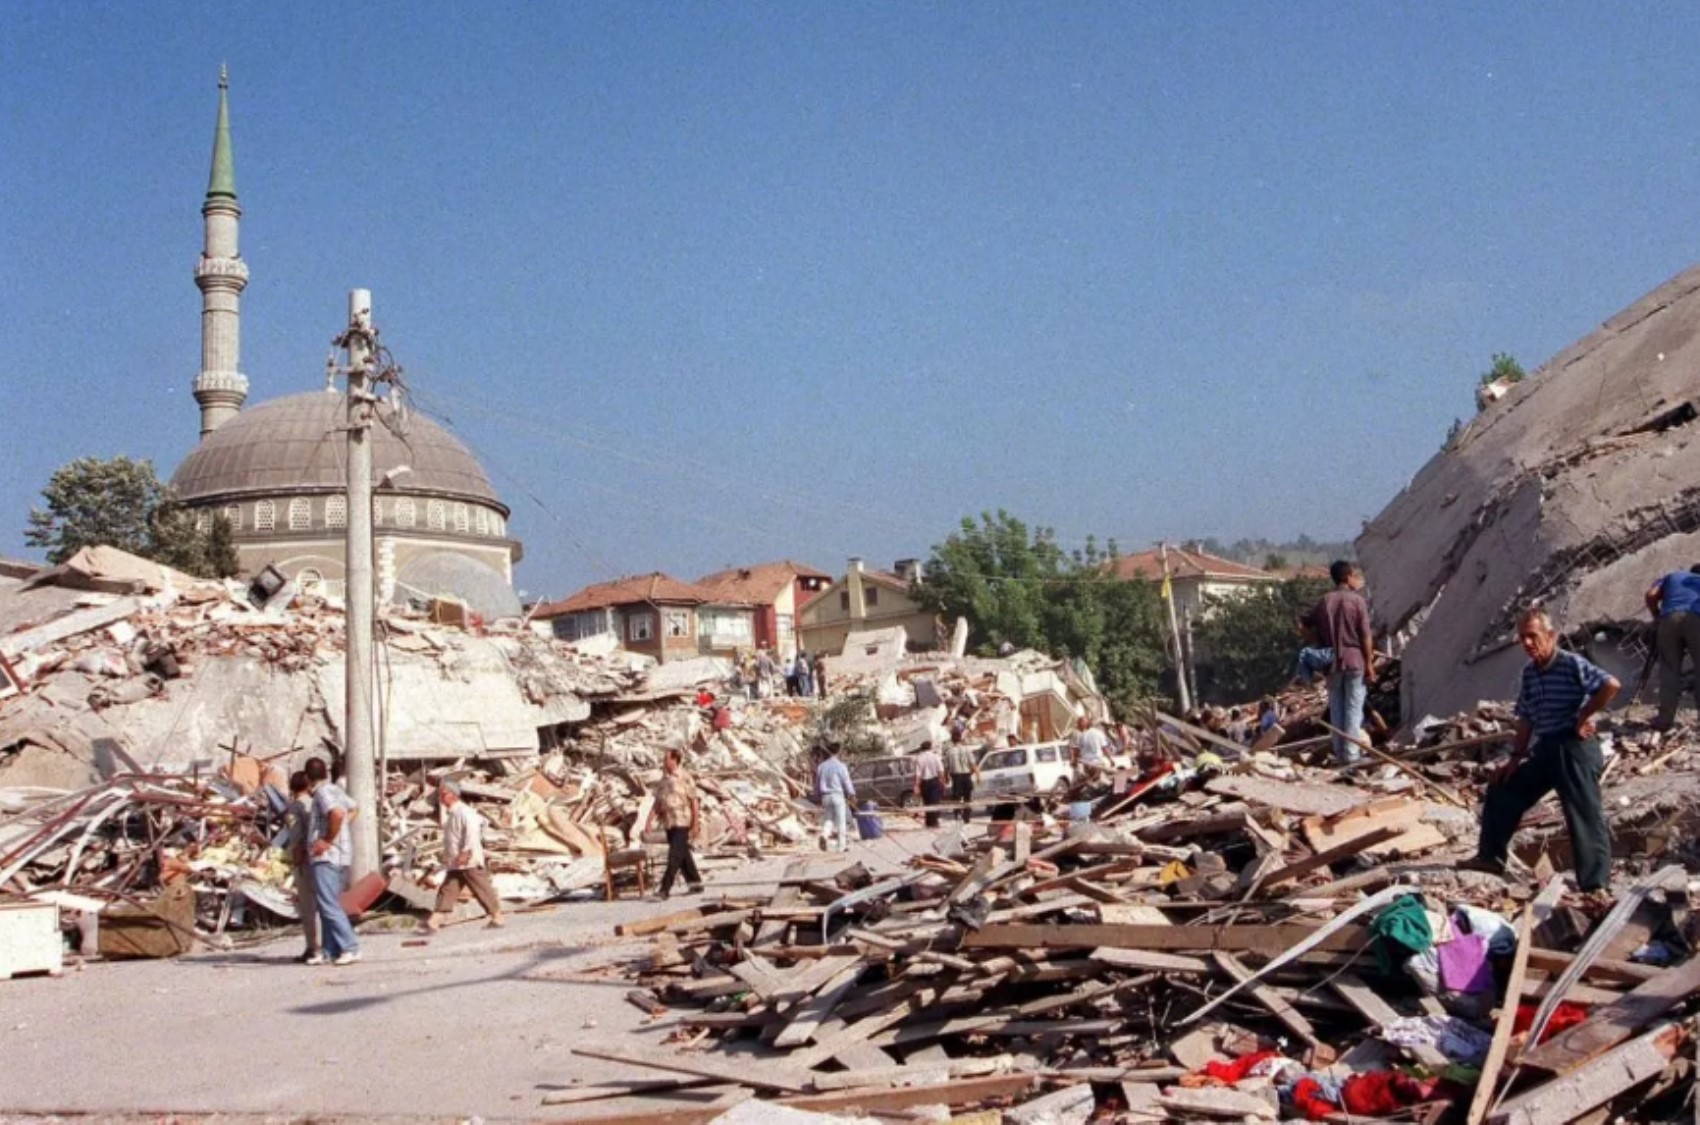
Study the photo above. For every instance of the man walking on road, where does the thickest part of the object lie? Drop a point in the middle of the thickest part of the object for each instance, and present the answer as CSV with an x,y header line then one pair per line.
x,y
1340,622
929,781
1559,696
1675,601
331,851
963,765
681,812
835,791
463,855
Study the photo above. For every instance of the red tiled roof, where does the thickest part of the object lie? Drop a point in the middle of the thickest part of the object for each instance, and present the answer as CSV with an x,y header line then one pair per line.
x,y
1308,570
1184,564
641,589
758,585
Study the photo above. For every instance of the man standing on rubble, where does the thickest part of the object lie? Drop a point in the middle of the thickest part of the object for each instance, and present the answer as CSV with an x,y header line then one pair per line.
x,y
681,811
463,856
298,828
1675,601
331,851
929,781
1556,704
964,767
834,790
1340,622
1086,749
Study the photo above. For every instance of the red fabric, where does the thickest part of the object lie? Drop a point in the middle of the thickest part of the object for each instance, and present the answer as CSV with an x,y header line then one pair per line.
x,y
1381,1093
1309,1100
722,719
1564,1017
1232,1073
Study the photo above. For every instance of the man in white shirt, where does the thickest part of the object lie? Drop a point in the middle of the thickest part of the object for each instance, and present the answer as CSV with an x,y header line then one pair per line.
x,y
1086,750
330,853
463,856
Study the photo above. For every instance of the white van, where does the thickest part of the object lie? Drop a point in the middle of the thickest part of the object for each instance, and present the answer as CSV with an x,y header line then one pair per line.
x,y
1022,771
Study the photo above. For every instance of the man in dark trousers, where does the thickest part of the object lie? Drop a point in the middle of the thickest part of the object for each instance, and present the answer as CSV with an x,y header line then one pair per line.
x,y
962,763
681,810
1554,748
1675,601
929,781
1340,621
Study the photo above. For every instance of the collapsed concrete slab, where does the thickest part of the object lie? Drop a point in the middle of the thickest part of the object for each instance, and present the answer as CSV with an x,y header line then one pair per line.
x,y
1578,489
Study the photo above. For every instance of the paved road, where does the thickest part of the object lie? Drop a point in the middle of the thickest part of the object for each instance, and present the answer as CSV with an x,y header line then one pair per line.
x,y
475,1023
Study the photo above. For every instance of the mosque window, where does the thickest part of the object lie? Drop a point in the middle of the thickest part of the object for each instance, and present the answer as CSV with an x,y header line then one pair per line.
x,y
501,525
463,519
436,513
310,582
203,522
377,511
336,511
481,522
404,512
300,514
234,514
265,515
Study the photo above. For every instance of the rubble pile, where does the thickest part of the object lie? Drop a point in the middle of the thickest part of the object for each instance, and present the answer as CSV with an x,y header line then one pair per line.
x,y
1263,940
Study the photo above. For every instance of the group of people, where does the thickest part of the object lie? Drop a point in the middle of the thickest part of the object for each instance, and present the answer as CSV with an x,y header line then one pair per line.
x,y
759,674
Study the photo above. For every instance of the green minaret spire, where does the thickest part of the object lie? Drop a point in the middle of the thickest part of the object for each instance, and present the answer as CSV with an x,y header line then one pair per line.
x,y
222,182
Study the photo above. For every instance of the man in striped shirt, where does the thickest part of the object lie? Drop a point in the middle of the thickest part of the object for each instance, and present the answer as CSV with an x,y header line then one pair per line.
x,y
1554,748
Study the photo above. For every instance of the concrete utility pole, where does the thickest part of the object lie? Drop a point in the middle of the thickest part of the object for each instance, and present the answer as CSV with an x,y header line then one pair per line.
x,y
1182,656
358,741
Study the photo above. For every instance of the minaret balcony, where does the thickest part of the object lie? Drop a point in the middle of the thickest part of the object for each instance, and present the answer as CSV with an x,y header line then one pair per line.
x,y
234,269
229,382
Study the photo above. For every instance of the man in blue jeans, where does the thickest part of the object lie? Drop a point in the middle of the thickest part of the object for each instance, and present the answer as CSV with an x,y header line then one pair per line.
x,y
835,790
331,851
1340,621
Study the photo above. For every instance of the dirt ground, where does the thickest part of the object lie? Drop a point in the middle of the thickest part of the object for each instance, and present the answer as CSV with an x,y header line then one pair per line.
x,y
478,1023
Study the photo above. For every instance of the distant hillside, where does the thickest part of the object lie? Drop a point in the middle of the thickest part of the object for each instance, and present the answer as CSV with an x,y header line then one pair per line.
x,y
1299,552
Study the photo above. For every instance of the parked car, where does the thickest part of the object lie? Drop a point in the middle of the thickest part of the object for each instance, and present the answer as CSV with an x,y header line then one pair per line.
x,y
890,781
1023,771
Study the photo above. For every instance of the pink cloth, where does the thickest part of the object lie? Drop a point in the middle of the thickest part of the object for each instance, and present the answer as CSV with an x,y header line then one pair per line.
x,y
1464,964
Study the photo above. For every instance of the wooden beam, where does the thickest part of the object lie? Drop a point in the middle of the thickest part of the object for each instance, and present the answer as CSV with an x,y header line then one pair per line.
x,y
965,1091
765,1074
1268,940
1332,855
1283,1011
702,1113
813,1011
1595,1083
1533,915
1617,1021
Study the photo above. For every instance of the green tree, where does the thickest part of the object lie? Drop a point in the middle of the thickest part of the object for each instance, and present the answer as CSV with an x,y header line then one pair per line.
x,y
122,503
1015,586
1503,366
221,549
1249,641
1274,560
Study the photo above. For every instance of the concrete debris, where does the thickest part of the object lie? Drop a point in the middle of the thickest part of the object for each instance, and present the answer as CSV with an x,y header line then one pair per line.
x,y
1566,490
1231,934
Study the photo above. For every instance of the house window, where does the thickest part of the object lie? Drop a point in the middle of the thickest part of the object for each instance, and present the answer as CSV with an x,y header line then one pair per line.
x,y
463,519
336,511
844,600
234,514
678,623
265,515
873,596
436,515
640,627
481,522
300,514
404,512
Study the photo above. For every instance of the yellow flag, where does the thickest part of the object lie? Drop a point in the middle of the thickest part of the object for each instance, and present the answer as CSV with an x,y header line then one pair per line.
x,y
1168,590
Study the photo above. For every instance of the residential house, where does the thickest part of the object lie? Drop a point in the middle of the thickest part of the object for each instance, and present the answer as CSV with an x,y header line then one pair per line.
x,y
653,614
1195,577
773,591
864,600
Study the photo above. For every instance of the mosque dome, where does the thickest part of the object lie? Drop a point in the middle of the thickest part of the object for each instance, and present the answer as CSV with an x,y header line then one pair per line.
x,y
294,445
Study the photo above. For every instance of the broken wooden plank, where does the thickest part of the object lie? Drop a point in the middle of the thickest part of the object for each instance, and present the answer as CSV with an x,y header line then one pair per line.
x,y
721,1099
1148,961
1595,1083
812,1012
1612,1024
768,1074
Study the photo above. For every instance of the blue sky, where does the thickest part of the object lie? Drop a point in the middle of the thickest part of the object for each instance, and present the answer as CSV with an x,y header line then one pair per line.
x,y
718,283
